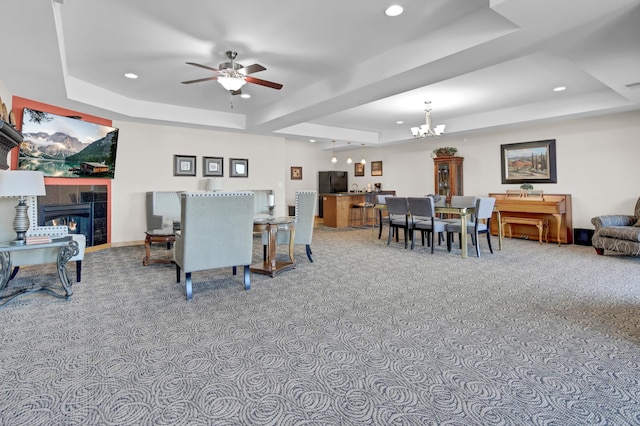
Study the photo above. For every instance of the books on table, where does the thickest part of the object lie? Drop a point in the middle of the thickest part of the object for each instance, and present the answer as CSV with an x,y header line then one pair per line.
x,y
38,239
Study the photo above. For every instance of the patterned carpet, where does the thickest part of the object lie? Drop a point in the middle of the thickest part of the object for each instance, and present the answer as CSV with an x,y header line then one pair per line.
x,y
367,334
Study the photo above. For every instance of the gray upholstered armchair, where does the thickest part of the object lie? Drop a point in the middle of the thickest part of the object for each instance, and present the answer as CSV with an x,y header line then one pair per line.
x,y
619,233
162,207
305,220
216,232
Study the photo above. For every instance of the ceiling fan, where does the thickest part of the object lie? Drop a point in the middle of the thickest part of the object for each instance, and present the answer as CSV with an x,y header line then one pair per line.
x,y
232,75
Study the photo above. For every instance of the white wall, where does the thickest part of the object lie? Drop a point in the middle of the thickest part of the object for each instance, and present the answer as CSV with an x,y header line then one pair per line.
x,y
598,163
145,163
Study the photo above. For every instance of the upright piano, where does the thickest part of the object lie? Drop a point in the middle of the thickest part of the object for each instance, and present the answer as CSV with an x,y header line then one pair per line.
x,y
554,207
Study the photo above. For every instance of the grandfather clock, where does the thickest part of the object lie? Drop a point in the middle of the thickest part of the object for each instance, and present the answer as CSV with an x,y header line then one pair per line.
x,y
448,176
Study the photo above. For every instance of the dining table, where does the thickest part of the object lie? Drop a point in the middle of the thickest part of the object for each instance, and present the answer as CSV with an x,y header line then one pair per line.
x,y
463,212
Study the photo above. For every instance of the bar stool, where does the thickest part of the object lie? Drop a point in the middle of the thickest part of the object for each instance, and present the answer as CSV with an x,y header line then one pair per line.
x,y
363,208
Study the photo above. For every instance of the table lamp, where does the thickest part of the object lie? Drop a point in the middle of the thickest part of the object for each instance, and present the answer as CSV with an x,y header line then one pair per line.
x,y
21,184
214,184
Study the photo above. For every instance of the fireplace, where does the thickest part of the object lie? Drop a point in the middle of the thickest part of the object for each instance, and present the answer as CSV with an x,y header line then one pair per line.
x,y
82,209
78,218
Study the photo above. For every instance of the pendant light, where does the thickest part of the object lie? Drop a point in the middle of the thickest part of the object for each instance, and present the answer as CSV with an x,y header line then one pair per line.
x,y
334,160
363,161
349,160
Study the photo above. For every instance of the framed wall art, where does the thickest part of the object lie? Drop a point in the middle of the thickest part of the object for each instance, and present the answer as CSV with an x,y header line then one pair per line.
x,y
212,166
296,173
184,165
358,169
376,168
529,162
239,167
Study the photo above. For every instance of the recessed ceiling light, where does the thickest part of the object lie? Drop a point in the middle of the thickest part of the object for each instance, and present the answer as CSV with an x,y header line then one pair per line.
x,y
399,122
394,10
312,140
245,95
131,75
559,89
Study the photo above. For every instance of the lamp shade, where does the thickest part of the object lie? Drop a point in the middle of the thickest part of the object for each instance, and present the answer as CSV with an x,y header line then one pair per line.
x,y
21,183
214,184
231,83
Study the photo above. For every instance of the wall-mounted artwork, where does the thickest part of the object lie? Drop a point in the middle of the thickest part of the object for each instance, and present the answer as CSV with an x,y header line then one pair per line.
x,y
296,173
358,169
67,147
376,168
529,162
184,165
239,167
212,166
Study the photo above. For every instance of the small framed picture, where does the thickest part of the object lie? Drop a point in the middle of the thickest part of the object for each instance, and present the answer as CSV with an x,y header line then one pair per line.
x,y
296,173
212,166
239,167
184,165
376,168
358,169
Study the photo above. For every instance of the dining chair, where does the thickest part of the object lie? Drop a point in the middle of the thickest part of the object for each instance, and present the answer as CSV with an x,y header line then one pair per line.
x,y
398,210
305,213
480,225
423,219
383,219
460,201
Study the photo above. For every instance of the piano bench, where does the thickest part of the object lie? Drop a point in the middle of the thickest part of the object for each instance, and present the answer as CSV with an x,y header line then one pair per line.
x,y
541,223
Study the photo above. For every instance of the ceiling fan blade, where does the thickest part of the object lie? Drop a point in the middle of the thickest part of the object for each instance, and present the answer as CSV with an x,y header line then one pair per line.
x,y
265,83
252,68
200,79
236,92
201,66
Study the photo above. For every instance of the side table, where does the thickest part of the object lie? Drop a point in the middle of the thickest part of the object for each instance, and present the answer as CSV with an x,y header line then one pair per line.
x,y
271,266
157,236
67,248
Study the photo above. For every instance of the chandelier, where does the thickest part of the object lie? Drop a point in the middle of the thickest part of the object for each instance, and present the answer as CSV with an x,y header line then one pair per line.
x,y
427,129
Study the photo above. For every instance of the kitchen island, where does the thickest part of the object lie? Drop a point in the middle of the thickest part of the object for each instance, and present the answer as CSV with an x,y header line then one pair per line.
x,y
337,208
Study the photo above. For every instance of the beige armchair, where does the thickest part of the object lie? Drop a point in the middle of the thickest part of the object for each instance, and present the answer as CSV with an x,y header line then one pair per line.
x,y
216,232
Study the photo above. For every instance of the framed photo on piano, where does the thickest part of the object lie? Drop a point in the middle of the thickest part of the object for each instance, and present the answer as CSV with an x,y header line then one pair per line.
x,y
529,162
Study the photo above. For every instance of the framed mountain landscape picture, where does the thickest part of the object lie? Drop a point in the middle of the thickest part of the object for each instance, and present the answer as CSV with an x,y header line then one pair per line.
x,y
67,147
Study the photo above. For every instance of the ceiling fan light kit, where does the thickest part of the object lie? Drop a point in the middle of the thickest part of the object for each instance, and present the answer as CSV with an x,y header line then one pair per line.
x,y
231,80
232,75
426,130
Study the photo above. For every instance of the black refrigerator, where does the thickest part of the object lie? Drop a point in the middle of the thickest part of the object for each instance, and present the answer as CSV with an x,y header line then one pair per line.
x,y
330,183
